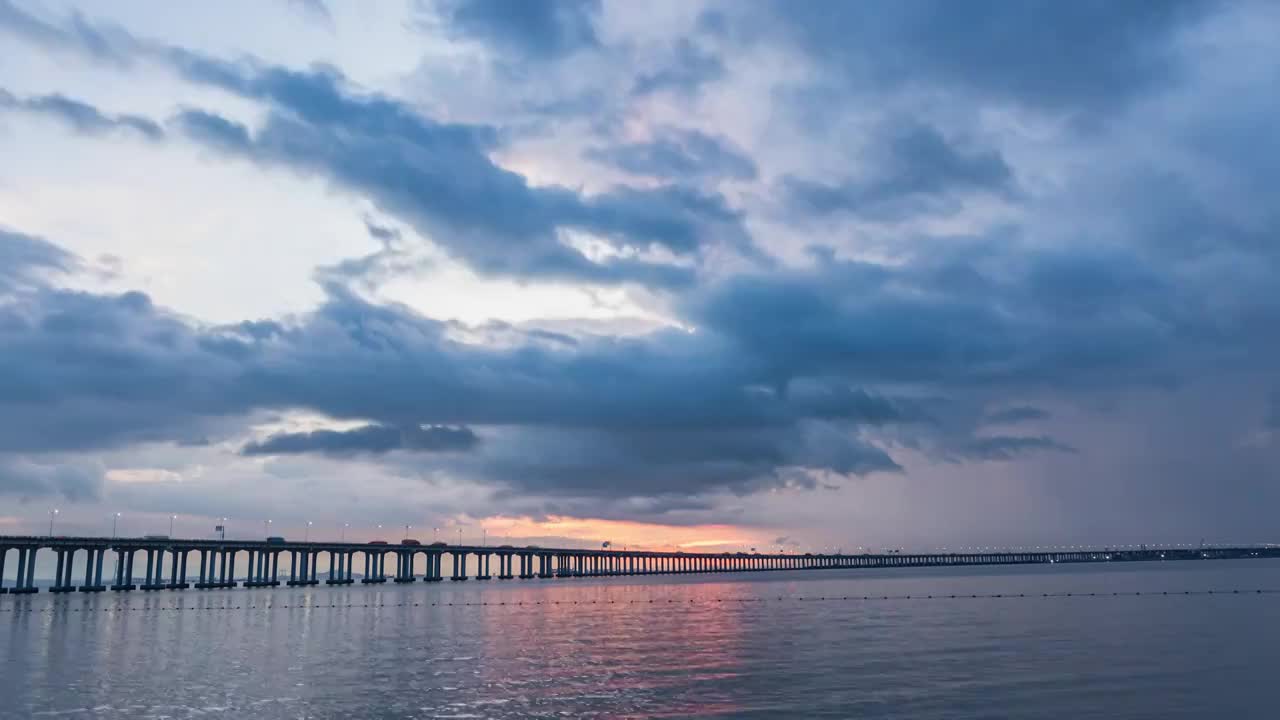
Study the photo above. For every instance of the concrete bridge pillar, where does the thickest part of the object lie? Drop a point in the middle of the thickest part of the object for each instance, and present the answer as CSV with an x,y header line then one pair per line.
x,y
148,581
373,568
180,577
93,571
59,576
24,583
229,568
124,569
297,567
404,567
176,581
336,568
4,552
202,581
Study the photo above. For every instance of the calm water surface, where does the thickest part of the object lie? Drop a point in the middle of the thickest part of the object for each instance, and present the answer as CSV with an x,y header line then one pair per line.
x,y
723,646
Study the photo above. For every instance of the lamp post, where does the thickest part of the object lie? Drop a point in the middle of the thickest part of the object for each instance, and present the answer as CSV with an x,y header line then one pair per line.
x,y
266,528
344,531
484,537
306,535
436,536
171,519
114,519
222,530
406,531
459,534
52,514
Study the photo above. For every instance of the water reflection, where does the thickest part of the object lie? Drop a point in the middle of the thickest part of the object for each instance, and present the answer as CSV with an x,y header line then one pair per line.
x,y
640,648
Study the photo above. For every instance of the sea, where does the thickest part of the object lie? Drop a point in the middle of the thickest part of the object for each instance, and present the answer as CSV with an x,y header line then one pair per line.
x,y
1153,640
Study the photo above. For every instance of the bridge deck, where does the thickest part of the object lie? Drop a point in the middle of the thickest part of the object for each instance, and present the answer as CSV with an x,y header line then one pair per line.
x,y
217,561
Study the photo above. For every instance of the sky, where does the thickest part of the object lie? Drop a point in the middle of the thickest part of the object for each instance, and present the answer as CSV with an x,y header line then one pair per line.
x,y
704,274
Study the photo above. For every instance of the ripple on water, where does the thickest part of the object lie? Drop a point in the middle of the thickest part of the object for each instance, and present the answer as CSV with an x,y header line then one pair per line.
x,y
728,646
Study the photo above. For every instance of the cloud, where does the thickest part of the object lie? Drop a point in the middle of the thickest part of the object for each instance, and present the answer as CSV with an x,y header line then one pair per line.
x,y
75,35
1027,54
24,257
373,439
1015,414
439,177
960,317
681,155
913,169
543,30
314,9
669,414
1003,448
1120,269
28,478
83,118
686,71
675,463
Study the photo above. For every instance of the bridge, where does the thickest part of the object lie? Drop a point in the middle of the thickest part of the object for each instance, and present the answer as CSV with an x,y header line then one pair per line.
x,y
171,564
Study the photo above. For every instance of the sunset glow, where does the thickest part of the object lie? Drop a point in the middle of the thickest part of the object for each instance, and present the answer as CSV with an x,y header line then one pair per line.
x,y
619,533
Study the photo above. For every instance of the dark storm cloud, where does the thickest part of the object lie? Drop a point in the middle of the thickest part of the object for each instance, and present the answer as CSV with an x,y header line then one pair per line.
x,y
82,117
372,439
675,462
671,413
546,29
962,317
682,155
910,169
1087,55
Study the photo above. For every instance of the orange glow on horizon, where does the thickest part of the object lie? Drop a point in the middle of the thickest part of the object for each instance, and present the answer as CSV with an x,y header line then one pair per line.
x,y
618,533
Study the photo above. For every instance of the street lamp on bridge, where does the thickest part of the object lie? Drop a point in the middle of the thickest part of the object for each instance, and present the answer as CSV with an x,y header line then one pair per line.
x,y
52,514
114,519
